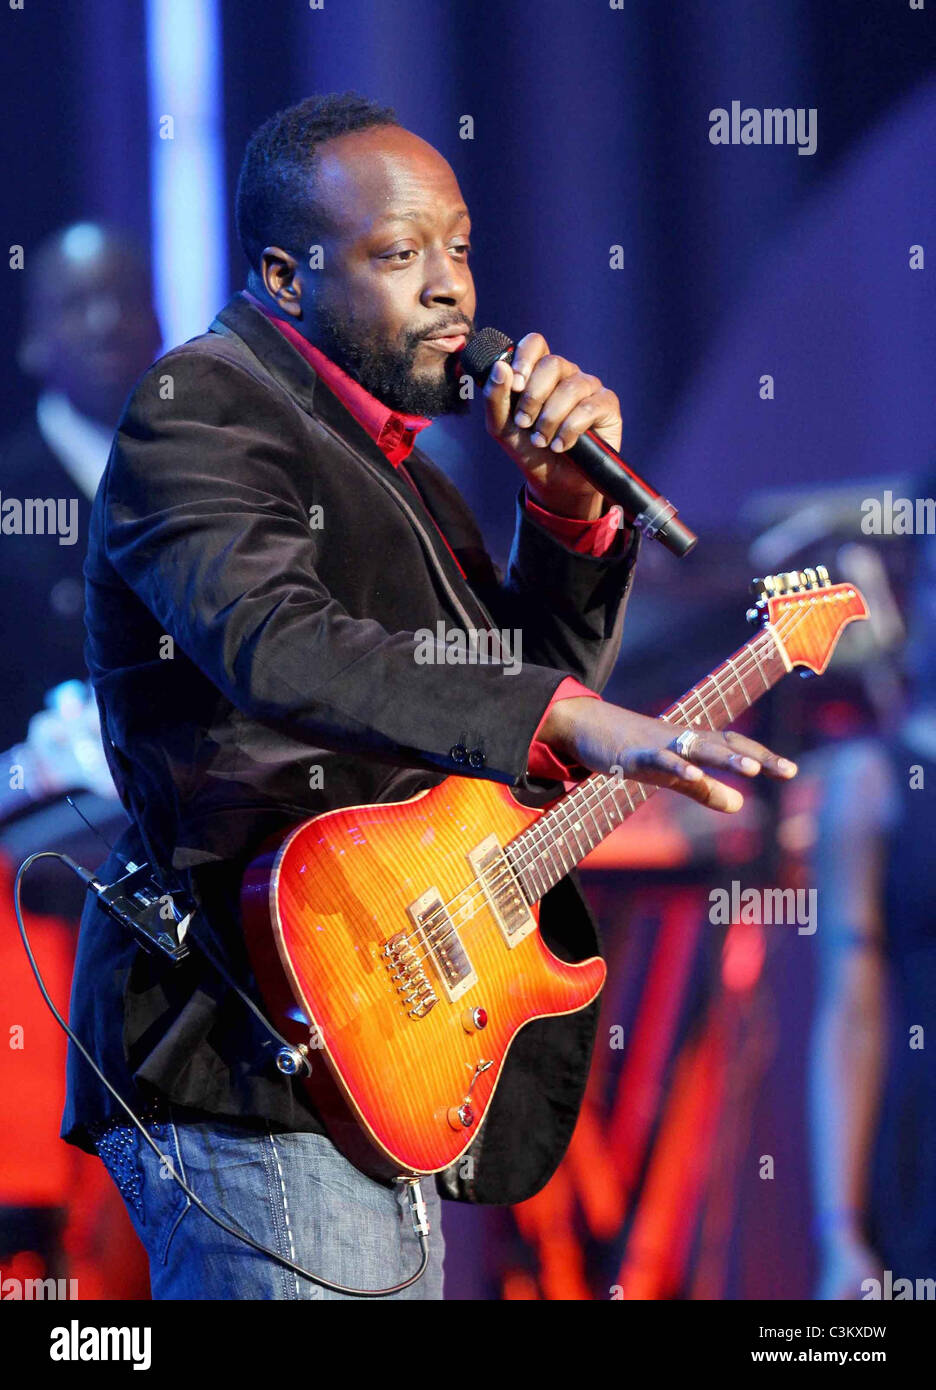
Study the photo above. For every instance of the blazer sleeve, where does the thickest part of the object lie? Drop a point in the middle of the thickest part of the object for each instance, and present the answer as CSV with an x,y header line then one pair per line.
x,y
203,523
568,607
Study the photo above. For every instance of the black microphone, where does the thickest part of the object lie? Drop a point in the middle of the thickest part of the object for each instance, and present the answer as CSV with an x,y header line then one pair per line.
x,y
642,505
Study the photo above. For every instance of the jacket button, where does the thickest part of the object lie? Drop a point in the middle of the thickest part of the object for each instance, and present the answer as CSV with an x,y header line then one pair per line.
x,y
458,753
476,758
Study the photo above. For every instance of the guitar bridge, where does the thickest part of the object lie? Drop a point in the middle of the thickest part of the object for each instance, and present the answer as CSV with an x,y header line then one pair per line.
x,y
501,888
402,958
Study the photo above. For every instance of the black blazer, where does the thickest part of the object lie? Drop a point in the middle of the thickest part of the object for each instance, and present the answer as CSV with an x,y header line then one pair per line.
x,y
239,640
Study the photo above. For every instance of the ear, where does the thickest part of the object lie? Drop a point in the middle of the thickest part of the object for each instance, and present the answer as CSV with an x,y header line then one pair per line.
x,y
279,272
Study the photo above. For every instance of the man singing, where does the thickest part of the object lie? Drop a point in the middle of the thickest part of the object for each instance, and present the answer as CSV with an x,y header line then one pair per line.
x,y
266,543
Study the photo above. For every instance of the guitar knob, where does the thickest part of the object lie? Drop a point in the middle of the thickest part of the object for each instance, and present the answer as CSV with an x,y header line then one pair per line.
x,y
461,1116
473,1020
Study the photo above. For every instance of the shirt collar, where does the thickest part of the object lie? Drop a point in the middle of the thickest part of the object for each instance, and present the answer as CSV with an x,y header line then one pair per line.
x,y
393,432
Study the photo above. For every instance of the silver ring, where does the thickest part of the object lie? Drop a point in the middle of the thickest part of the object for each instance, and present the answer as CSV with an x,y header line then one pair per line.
x,y
685,743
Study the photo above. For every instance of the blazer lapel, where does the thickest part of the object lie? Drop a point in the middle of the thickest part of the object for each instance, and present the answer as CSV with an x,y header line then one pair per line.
x,y
276,355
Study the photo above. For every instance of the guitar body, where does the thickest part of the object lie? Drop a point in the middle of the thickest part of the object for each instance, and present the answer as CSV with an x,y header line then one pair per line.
x,y
403,1082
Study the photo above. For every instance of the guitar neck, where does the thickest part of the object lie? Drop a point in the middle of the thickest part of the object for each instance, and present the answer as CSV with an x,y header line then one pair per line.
x,y
546,851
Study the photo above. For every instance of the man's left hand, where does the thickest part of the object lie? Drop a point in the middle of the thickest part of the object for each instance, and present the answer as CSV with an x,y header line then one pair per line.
x,y
556,404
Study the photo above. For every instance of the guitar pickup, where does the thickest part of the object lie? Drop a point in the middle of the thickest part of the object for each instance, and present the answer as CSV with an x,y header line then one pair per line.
x,y
502,889
441,944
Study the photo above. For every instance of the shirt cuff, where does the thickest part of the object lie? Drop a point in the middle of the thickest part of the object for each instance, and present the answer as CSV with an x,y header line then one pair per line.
x,y
593,538
542,762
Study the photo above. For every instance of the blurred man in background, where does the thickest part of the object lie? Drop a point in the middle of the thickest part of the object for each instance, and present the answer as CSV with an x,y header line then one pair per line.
x,y
89,330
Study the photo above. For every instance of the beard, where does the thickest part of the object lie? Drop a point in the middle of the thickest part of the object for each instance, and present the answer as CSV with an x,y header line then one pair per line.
x,y
388,371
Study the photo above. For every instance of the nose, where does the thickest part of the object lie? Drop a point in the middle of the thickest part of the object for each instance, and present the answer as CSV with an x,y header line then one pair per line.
x,y
447,282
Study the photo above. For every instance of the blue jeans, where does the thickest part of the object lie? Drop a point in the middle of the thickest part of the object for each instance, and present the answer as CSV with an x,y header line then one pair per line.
x,y
294,1193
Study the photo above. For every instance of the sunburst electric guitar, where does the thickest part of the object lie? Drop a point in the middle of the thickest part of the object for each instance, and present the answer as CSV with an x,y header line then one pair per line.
x,y
398,948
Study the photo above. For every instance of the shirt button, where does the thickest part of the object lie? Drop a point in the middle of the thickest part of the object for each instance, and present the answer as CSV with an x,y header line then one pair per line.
x,y
476,758
458,753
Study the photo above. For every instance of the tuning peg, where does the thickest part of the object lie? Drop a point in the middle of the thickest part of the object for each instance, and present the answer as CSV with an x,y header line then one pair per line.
x,y
823,576
812,579
753,616
791,581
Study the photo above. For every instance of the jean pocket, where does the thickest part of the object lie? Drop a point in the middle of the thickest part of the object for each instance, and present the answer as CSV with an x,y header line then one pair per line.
x,y
174,1202
154,1199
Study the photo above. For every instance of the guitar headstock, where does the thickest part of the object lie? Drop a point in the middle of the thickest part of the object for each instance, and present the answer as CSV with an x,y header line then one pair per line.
x,y
807,613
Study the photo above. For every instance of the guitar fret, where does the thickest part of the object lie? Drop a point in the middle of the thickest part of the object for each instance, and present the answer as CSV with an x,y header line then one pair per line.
x,y
574,807
760,669
556,845
551,849
565,848
718,692
590,795
555,848
536,867
589,825
607,804
704,714
593,798
740,682
575,833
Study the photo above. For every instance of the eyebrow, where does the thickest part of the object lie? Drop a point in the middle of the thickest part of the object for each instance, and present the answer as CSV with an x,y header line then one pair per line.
x,y
414,215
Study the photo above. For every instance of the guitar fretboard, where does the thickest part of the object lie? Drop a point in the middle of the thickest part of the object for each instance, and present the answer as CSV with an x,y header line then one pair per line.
x,y
545,852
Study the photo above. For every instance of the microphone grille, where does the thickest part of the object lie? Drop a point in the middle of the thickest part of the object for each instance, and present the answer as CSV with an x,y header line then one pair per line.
x,y
482,350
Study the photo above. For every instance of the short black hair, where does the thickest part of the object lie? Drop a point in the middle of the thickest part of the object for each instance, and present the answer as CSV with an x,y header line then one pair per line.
x,y
275,201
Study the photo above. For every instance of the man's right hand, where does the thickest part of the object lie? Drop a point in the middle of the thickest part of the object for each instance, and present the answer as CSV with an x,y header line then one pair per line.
x,y
606,738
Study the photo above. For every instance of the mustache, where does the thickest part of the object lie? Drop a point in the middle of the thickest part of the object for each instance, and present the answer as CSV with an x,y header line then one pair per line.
x,y
448,326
